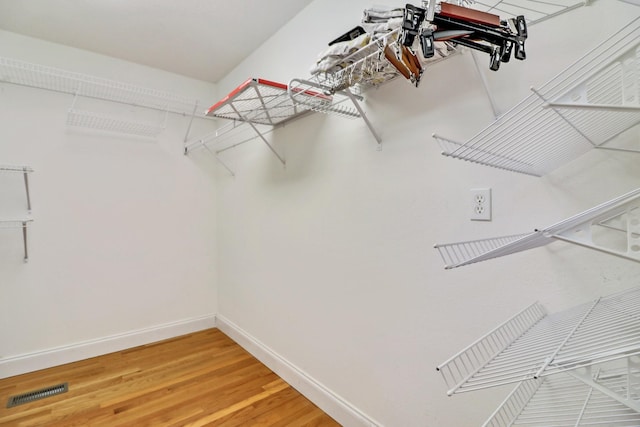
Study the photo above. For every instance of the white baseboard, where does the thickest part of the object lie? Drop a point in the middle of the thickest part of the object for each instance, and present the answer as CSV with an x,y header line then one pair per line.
x,y
342,411
16,365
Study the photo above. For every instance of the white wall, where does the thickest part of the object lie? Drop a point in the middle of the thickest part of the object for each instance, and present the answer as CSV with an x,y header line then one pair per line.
x,y
329,263
122,247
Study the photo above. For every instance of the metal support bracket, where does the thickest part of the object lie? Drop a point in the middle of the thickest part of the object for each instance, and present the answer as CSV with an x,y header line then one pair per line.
x,y
260,135
592,382
23,224
25,173
364,117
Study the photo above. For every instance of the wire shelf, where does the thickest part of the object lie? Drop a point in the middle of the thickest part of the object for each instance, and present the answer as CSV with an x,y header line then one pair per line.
x,y
13,168
260,102
563,400
536,10
618,219
600,331
55,79
94,120
584,107
15,223
321,99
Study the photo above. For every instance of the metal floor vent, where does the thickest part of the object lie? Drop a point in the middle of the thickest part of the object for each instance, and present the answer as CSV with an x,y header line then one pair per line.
x,y
37,394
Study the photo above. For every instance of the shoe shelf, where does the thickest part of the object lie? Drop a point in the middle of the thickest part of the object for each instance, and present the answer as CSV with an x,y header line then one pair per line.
x,y
616,224
580,364
584,107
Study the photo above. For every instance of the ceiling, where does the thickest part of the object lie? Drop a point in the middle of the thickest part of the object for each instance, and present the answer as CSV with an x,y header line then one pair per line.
x,y
202,39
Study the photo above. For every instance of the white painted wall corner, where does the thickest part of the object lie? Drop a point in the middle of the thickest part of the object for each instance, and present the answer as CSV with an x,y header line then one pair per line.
x,y
341,410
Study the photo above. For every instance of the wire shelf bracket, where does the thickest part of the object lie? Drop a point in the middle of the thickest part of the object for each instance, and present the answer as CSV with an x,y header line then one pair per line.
x,y
300,89
584,107
532,345
19,223
264,106
25,171
612,227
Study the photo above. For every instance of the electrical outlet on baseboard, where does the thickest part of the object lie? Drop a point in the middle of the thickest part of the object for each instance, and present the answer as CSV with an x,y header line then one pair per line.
x,y
480,204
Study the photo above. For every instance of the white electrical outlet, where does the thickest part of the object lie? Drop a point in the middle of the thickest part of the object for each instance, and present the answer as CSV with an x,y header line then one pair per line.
x,y
480,204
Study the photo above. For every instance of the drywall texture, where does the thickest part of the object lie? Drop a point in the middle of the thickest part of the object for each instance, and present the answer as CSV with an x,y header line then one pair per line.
x,y
330,261
123,237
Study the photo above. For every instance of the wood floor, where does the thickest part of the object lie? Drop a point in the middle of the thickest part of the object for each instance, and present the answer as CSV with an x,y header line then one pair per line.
x,y
200,379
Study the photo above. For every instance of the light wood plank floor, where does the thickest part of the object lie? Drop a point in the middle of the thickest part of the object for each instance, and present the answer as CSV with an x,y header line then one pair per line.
x,y
200,379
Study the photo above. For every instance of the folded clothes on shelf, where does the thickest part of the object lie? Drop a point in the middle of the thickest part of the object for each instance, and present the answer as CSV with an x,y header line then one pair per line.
x,y
382,14
331,60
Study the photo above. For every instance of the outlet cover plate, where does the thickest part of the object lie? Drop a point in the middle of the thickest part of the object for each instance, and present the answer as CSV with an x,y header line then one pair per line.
x,y
480,204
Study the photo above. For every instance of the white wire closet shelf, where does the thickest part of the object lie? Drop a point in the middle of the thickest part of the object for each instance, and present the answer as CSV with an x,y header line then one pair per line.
x,y
58,80
584,107
564,400
262,103
18,223
95,120
612,227
82,85
25,171
535,11
533,344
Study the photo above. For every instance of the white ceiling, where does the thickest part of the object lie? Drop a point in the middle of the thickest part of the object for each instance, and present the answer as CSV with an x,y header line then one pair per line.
x,y
202,39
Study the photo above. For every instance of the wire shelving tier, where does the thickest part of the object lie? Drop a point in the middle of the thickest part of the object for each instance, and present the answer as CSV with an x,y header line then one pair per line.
x,y
82,85
535,11
22,222
19,223
580,366
584,107
616,224
563,400
265,105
